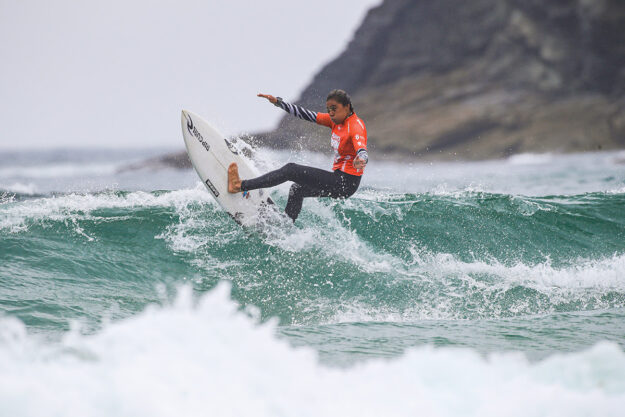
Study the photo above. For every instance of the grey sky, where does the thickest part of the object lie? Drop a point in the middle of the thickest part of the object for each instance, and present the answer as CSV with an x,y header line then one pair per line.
x,y
117,73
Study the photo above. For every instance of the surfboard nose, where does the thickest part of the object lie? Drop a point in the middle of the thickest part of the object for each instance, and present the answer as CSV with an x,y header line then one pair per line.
x,y
185,118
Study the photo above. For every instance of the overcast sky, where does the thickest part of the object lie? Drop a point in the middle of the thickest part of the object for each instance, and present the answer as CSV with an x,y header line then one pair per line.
x,y
117,73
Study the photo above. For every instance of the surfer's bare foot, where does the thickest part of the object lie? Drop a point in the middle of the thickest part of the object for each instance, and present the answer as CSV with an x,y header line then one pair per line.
x,y
234,182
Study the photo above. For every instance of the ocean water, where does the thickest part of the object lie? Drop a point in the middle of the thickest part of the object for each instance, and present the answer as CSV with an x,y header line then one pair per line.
x,y
492,288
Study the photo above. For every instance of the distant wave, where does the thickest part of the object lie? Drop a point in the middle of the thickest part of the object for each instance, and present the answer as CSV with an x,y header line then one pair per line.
x,y
530,159
58,170
18,188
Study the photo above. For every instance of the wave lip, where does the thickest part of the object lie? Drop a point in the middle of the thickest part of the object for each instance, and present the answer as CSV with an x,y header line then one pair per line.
x,y
16,215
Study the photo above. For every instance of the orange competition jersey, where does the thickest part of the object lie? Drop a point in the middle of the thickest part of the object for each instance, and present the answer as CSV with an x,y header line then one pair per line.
x,y
348,138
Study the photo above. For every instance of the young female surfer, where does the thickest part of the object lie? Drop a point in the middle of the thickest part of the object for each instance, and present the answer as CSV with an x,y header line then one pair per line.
x,y
349,141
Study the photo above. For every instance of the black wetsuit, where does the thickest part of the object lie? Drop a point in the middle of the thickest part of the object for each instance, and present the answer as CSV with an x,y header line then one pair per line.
x,y
309,182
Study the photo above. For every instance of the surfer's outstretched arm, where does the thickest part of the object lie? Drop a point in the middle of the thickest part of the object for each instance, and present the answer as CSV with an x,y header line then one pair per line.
x,y
292,109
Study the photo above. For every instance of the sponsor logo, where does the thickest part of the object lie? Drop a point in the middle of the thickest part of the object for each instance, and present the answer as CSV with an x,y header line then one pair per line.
x,y
211,187
189,123
334,141
193,131
231,147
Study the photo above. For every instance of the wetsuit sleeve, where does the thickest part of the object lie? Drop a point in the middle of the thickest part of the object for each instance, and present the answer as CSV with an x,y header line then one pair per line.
x,y
324,119
297,111
359,140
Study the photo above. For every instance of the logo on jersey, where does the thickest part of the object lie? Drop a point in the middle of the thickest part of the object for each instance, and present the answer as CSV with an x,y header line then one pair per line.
x,y
335,141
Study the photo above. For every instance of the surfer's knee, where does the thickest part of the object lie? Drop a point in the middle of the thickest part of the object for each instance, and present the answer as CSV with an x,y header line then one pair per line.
x,y
290,168
295,190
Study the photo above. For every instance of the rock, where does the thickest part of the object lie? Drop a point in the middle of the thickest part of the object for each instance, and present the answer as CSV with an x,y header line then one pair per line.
x,y
479,79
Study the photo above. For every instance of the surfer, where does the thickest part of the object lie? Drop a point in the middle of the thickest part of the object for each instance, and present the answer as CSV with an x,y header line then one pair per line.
x,y
349,141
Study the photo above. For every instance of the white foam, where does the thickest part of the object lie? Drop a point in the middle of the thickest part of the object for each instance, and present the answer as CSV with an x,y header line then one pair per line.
x,y
333,239
79,206
59,170
20,188
206,358
442,284
618,158
585,281
530,159
581,275
443,189
328,235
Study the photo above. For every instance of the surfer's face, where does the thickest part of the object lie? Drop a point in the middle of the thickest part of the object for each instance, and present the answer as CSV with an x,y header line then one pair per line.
x,y
338,112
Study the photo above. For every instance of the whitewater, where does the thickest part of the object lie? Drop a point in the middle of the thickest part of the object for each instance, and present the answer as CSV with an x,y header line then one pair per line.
x,y
493,288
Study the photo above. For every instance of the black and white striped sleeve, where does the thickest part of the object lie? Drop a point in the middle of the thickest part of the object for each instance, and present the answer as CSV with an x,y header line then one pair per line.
x,y
297,111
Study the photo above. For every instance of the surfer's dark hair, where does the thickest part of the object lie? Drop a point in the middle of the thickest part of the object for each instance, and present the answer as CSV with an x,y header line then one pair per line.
x,y
342,97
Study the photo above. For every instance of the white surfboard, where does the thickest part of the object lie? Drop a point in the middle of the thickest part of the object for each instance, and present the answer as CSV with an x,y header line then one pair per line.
x,y
211,154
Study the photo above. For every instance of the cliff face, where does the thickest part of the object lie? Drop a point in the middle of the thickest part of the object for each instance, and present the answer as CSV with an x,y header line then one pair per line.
x,y
478,79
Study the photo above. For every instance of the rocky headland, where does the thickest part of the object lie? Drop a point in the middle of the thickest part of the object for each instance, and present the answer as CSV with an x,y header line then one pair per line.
x,y
449,79
480,79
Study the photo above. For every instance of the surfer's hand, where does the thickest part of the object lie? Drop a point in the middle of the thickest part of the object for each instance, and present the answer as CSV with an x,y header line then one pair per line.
x,y
269,97
359,163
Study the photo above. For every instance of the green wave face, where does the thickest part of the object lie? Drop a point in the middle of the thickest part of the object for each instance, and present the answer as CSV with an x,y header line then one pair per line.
x,y
375,257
